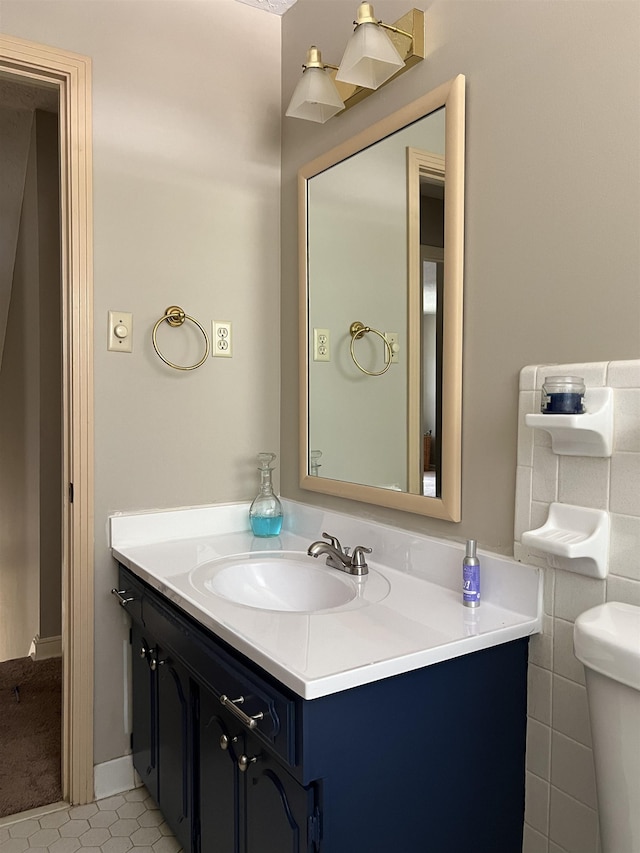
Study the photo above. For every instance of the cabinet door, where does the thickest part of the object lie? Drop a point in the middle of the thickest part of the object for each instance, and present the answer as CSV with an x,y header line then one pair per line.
x,y
221,741
144,741
280,815
175,747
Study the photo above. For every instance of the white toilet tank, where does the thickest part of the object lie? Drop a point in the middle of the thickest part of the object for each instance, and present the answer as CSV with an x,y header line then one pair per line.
x,y
606,639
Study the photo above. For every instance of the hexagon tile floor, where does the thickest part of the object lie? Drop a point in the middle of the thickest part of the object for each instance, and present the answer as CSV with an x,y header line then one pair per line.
x,y
119,824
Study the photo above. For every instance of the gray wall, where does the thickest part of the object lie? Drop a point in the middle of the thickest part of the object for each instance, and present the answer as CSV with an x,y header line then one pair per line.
x,y
552,210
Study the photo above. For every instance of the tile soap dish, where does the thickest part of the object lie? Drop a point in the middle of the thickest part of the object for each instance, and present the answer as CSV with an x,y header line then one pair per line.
x,y
573,538
588,434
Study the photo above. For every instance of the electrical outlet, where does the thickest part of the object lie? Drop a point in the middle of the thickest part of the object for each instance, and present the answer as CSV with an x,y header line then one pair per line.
x,y
321,345
222,342
392,337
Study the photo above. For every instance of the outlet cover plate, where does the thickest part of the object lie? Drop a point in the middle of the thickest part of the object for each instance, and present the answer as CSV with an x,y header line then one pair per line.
x,y
321,345
222,339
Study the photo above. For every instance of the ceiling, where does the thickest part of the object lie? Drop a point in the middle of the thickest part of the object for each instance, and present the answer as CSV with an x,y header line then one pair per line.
x,y
277,7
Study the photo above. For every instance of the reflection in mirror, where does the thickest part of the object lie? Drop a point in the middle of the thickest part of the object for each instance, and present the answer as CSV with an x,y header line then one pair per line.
x,y
381,244
432,269
426,185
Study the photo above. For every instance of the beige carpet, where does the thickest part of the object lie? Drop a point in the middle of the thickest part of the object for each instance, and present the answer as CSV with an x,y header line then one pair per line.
x,y
30,734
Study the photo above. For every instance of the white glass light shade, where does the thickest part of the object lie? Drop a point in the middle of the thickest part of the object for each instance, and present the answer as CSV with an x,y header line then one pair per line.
x,y
370,58
315,98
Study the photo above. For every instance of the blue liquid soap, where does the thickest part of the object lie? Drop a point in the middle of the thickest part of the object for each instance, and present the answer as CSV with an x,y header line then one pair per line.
x,y
265,513
263,525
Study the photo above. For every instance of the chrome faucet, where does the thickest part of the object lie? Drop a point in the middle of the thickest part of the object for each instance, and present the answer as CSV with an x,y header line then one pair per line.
x,y
339,558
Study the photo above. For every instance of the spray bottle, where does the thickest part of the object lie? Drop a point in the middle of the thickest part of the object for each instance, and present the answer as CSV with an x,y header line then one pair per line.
x,y
471,576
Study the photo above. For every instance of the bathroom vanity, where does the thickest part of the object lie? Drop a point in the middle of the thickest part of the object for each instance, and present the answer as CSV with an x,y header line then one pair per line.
x,y
421,754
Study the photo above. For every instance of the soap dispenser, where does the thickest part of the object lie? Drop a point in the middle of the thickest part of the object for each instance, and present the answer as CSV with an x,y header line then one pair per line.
x,y
265,513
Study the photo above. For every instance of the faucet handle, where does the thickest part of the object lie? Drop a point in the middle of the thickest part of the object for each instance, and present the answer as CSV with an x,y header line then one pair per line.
x,y
358,561
333,540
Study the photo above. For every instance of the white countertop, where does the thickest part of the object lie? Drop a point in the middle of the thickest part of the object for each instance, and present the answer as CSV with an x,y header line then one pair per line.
x,y
421,621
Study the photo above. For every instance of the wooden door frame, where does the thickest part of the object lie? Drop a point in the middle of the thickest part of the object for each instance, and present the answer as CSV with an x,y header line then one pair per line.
x,y
70,74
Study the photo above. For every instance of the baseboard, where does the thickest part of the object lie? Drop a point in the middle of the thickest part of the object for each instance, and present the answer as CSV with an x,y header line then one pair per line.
x,y
114,777
45,647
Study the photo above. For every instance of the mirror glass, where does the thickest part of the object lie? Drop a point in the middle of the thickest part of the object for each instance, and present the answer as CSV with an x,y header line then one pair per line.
x,y
381,226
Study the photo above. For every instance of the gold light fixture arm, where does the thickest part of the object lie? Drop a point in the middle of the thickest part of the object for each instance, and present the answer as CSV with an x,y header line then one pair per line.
x,y
394,29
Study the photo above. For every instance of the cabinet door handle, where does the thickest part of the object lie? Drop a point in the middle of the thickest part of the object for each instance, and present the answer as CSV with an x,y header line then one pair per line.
x,y
120,595
154,663
225,740
244,761
245,719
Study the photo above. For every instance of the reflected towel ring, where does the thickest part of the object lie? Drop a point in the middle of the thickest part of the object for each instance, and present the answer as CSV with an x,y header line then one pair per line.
x,y
358,330
175,316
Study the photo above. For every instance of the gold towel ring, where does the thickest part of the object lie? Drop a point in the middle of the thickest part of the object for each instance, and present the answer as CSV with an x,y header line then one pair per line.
x,y
358,330
175,316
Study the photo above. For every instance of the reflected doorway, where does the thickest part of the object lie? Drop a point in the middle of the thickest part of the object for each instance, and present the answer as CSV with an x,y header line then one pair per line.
x,y
432,273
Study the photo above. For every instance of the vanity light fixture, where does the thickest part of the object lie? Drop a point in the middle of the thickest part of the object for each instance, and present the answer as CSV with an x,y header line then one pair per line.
x,y
316,97
376,53
370,57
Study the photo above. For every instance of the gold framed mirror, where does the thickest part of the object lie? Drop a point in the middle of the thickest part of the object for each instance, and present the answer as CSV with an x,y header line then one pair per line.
x,y
381,243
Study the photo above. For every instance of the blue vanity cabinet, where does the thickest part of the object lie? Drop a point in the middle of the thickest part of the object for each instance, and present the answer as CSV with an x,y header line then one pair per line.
x,y
220,743
221,787
280,814
427,761
258,809
162,734
175,745
144,740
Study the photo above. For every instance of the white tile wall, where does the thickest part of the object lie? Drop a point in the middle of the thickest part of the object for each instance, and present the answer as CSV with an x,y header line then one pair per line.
x,y
561,810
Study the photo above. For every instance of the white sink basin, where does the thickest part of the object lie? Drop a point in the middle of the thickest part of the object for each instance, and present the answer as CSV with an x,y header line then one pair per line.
x,y
284,581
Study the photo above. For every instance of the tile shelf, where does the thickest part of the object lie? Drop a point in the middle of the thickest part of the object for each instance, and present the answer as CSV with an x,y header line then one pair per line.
x,y
573,538
589,434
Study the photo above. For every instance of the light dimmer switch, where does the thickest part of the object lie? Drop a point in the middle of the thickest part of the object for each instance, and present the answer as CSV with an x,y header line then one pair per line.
x,y
120,331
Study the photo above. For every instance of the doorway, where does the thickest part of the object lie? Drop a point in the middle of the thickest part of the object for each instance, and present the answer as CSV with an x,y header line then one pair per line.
x,y
30,374
30,449
69,76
